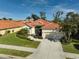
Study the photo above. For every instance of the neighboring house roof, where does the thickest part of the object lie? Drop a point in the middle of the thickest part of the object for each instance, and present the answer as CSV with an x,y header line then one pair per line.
x,y
5,24
44,23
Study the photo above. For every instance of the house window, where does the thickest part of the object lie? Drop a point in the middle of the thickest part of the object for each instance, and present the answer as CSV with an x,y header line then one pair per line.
x,y
8,31
12,30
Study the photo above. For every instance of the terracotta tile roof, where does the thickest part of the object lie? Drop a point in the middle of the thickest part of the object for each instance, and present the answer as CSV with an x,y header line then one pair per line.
x,y
51,26
30,23
41,21
44,23
4,24
37,22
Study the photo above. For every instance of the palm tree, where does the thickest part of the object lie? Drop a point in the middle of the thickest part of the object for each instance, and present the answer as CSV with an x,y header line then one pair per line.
x,y
28,17
35,17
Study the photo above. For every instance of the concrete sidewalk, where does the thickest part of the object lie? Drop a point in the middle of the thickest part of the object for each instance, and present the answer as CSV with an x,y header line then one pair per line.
x,y
17,48
3,56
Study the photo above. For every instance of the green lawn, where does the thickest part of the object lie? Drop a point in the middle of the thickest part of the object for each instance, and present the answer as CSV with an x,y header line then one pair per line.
x,y
11,39
71,48
14,52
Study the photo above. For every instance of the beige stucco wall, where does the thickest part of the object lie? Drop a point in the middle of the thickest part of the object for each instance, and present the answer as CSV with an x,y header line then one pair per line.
x,y
44,32
47,32
32,31
2,32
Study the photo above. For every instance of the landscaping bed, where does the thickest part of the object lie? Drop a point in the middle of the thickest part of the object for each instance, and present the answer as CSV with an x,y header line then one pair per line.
x,y
14,52
12,39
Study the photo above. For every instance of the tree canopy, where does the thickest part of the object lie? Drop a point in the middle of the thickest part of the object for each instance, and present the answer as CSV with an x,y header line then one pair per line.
x,y
43,15
35,17
57,16
70,25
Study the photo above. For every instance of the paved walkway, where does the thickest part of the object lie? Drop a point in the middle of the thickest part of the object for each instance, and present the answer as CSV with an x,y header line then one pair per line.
x,y
72,55
48,50
17,48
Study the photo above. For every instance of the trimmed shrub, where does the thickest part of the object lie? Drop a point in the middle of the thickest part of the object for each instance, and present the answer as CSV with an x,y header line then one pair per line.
x,y
23,33
0,34
7,32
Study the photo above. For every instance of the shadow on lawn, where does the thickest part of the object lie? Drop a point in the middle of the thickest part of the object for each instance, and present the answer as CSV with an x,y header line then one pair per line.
x,y
76,46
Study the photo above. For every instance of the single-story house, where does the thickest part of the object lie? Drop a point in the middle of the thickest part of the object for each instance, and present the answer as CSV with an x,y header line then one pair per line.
x,y
42,27
39,27
10,26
